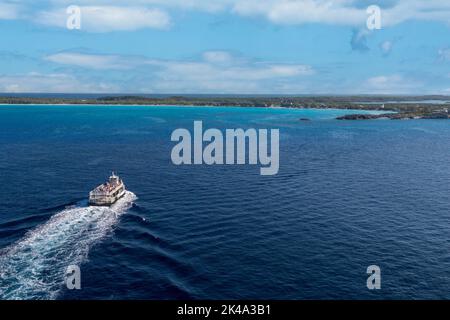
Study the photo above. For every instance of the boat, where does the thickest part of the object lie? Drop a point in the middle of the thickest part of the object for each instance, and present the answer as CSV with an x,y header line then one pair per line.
x,y
108,193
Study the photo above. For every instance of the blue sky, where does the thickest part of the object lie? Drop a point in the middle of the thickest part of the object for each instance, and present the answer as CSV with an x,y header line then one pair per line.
x,y
225,46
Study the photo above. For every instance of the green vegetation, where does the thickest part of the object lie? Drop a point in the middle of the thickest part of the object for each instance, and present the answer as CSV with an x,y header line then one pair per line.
x,y
398,104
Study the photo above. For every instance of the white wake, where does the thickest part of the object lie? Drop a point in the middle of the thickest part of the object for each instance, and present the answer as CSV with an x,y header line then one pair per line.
x,y
34,267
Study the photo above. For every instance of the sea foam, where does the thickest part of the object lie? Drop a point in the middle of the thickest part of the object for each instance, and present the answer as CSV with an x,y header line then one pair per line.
x,y
34,267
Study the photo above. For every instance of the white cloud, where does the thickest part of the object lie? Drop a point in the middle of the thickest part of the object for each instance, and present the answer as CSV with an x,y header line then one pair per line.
x,y
218,57
430,10
342,12
386,47
211,6
305,11
108,18
215,71
92,61
203,5
444,54
111,15
391,84
339,12
213,64
197,71
54,83
9,11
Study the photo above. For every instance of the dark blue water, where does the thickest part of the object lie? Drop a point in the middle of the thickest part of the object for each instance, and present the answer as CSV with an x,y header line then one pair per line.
x,y
348,195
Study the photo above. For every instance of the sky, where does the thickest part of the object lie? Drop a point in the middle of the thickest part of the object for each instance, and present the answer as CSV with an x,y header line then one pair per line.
x,y
225,46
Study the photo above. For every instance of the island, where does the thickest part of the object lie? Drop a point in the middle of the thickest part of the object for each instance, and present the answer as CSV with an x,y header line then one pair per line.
x,y
389,107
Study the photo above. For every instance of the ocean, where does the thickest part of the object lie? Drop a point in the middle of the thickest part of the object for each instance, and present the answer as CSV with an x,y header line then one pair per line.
x,y
348,194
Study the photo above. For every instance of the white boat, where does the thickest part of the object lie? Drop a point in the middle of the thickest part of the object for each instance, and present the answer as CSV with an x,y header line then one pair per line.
x,y
108,193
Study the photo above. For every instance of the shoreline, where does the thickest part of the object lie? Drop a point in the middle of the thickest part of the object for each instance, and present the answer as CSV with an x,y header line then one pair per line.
x,y
395,116
352,104
187,106
373,112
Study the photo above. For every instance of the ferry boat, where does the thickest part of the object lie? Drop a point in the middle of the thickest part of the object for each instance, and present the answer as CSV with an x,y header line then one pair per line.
x,y
108,193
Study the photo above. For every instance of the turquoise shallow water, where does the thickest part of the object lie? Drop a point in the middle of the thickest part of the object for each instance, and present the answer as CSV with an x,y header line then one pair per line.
x,y
348,195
